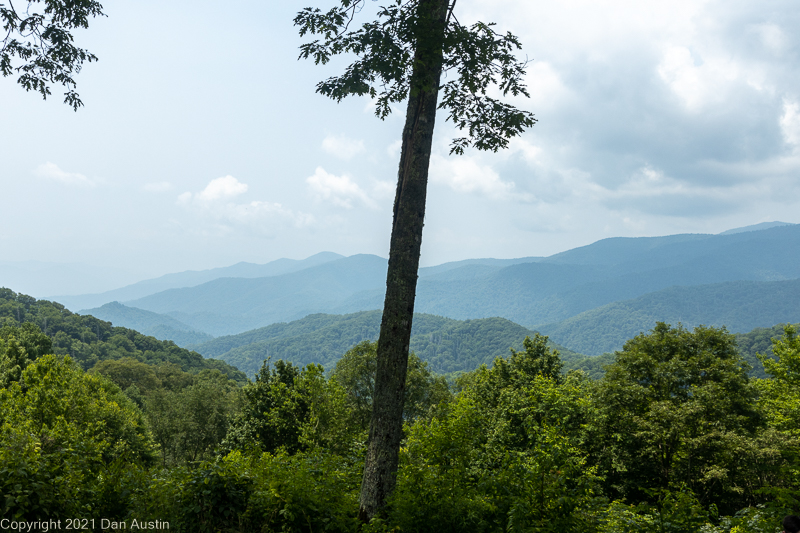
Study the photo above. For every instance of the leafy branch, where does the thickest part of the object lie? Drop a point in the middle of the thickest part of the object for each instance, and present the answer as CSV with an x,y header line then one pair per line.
x,y
42,39
480,57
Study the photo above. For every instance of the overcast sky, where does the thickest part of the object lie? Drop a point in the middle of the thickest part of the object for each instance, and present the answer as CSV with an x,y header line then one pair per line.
x,y
202,142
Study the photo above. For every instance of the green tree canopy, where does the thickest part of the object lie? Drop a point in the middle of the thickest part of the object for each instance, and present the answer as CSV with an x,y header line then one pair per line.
x,y
677,407
61,433
355,373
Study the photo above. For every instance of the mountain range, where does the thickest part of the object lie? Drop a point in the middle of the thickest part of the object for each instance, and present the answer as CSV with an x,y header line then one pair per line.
x,y
589,299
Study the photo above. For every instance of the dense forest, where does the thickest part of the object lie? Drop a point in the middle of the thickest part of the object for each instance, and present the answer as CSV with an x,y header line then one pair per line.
x,y
675,435
447,345
88,340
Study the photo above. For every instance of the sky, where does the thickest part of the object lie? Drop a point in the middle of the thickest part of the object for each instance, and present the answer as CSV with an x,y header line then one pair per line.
x,y
202,142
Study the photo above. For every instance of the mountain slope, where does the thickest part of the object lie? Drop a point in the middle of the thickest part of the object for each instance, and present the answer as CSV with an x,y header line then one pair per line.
x,y
535,291
192,278
261,301
447,345
739,305
88,340
162,327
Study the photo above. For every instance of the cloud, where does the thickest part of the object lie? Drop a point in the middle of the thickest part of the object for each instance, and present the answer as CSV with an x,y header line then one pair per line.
x,y
772,36
465,175
216,203
224,187
161,186
651,192
393,150
342,147
341,191
696,85
51,171
790,124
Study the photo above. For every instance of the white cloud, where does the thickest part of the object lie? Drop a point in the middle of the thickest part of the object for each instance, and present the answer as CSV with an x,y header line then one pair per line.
x,y
224,187
772,36
544,85
696,84
393,150
342,147
529,151
790,124
216,203
464,175
52,172
383,189
338,190
160,186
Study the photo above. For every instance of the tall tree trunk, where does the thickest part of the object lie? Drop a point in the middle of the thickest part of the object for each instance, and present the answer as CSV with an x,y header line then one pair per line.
x,y
386,426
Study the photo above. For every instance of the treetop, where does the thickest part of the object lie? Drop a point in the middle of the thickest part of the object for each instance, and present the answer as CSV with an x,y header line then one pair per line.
x,y
477,57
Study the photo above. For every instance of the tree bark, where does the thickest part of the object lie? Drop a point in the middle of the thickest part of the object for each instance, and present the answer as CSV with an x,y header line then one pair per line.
x,y
386,425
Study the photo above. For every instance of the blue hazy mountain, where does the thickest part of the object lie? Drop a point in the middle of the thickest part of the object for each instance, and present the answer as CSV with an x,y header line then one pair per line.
x,y
741,306
529,291
162,327
192,278
755,227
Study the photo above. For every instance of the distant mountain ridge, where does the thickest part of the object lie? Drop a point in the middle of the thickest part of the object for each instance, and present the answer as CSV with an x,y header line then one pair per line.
x,y
564,285
192,278
755,227
528,291
532,291
741,306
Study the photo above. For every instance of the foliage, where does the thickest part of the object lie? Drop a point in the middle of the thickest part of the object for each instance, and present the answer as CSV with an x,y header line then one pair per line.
x,y
247,493
521,447
674,512
388,49
41,38
187,413
62,434
501,456
355,373
677,408
88,340
759,341
290,409
447,345
780,401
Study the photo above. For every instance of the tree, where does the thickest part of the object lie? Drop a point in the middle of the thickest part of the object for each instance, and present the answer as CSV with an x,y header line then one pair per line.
x,y
63,435
41,39
355,373
274,409
677,408
780,400
20,346
402,55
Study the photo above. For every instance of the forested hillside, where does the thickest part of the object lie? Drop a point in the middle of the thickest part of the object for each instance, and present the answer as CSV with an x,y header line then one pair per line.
x,y
89,340
162,327
447,345
738,305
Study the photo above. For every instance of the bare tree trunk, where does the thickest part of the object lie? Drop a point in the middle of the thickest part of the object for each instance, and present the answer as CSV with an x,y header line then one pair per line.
x,y
386,426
